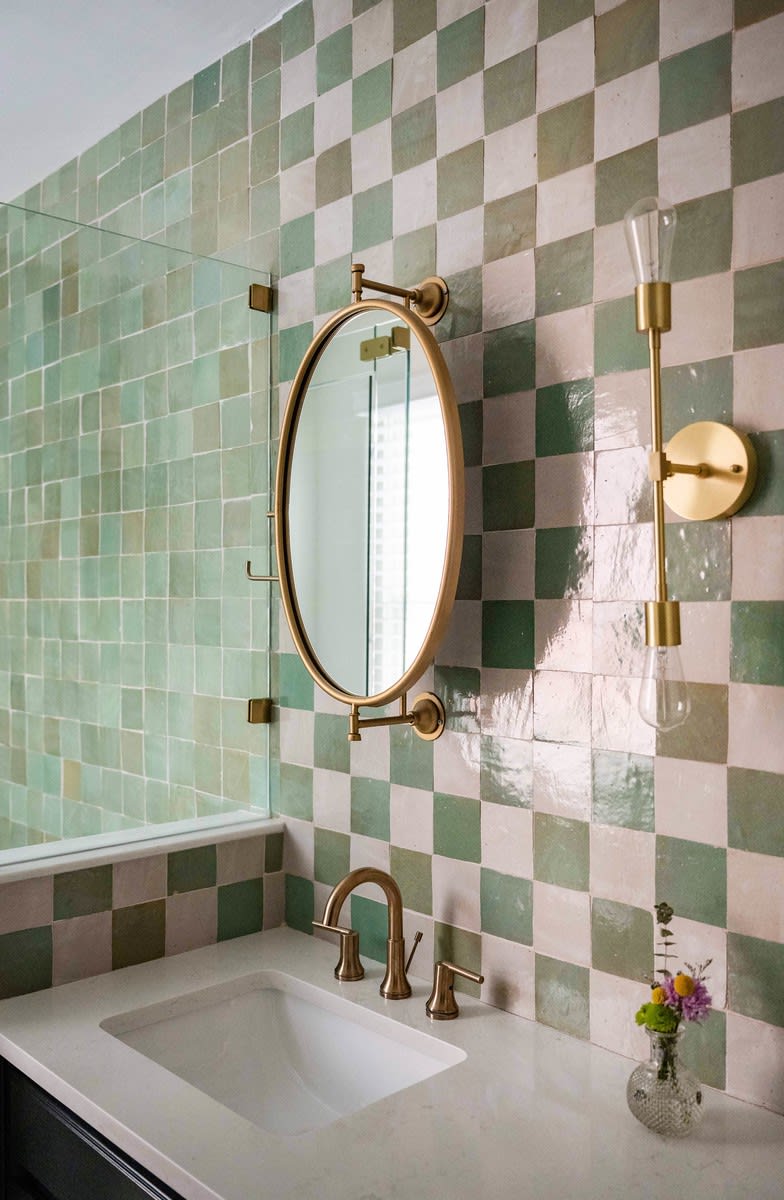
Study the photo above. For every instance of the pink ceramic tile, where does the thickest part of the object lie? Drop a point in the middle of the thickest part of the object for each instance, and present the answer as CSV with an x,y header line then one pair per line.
x,y
240,859
623,865
757,54
274,900
562,923
191,920
622,489
298,848
452,10
618,637
507,840
685,23
627,111
623,562
508,565
622,415
510,26
508,290
562,707
81,947
414,74
562,780
758,222
373,37
704,818
460,114
411,818
508,969
456,893
138,879
564,491
298,82
695,161
509,428
563,630
755,1061
506,703
26,904
702,314
332,799
612,270
757,561
329,16
755,895
564,346
705,652
565,65
758,398
614,1001
369,852
414,199
510,159
617,725
460,246
756,719
456,764
565,205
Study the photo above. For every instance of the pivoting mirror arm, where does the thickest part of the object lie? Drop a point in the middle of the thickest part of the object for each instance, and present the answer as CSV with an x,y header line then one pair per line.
x,y
430,298
427,718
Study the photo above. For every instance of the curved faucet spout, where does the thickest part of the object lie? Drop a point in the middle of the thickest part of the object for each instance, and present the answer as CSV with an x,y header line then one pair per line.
x,y
395,985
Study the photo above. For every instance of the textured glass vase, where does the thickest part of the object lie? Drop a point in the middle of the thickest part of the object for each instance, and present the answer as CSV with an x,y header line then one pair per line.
x,y
662,1093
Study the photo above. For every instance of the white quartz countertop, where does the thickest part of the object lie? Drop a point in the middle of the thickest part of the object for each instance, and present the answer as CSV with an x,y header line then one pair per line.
x,y
529,1114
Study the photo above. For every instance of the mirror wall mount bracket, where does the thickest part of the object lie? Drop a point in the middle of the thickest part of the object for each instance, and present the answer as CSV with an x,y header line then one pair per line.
x,y
430,298
427,718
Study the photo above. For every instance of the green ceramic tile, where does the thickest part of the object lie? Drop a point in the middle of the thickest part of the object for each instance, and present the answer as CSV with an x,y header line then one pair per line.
x,y
510,224
564,563
557,15
767,499
333,60
331,745
265,101
299,903
755,969
509,362
369,918
508,496
296,29
273,852
699,560
138,933
565,137
414,135
755,811
510,91
294,343
464,315
704,1049
460,180
623,790
508,633
332,855
296,685
411,760
240,908
472,432
296,792
190,870
703,737
564,274
333,174
331,284
459,688
461,947
297,244
235,70
692,878
505,772
621,939
370,807
296,137
25,961
759,313
562,996
757,150
564,418
362,6
456,827
700,391
414,254
696,85
265,51
413,19
461,49
265,154
507,907
704,237
206,88
757,642
413,872
373,216
371,97
77,893
469,583
748,12
627,37
561,851
617,344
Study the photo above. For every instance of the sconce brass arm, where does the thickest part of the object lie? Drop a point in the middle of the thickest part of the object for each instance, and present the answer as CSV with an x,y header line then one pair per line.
x,y
427,717
430,298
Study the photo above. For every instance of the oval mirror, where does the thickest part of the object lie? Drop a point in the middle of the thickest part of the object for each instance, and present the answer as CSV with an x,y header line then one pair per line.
x,y
369,502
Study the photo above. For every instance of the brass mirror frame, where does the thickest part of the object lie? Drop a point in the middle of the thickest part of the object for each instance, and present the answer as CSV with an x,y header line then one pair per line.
x,y
432,723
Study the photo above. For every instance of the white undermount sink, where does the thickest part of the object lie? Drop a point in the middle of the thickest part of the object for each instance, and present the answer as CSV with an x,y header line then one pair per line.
x,y
284,1054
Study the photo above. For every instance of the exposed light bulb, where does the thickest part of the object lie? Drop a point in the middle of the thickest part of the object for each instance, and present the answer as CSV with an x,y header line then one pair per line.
x,y
650,231
664,698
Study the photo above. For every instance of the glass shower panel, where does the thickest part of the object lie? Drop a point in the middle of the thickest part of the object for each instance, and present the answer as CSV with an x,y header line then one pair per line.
x,y
134,484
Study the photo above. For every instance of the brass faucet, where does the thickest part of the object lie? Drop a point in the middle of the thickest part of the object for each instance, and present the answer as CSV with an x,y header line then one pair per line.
x,y
395,985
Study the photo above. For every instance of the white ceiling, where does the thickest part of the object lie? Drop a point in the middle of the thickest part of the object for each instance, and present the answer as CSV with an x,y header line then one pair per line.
x,y
71,71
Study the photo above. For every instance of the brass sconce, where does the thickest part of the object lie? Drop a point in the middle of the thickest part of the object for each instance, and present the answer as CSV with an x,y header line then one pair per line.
x,y
707,471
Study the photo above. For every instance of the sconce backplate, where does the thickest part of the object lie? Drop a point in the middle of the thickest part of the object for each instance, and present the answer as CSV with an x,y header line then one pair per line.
x,y
732,471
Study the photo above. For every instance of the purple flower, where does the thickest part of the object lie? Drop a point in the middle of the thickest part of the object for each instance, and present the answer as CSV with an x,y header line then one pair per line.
x,y
691,1008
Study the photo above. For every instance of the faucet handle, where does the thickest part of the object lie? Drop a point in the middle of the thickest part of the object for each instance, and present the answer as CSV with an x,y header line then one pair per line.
x,y
442,1005
349,968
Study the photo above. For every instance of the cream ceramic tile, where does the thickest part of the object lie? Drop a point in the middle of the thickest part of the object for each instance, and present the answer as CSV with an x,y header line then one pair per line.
x,y
510,26
191,920
460,114
508,969
456,764
562,923
507,840
508,290
623,865
26,904
296,299
755,1061
370,757
614,1001
622,410
462,643
705,652
623,490
623,562
758,398
757,57
298,82
565,205
627,111
755,895
421,968
562,780
369,852
322,703
460,242
298,848
333,232
564,490
758,221
321,893
379,261
296,736
449,11
696,943
685,23
136,880
298,189
329,16
332,118
618,637
702,316
612,269
508,565
464,358
756,719
373,37
617,724
275,900
414,73
240,859
414,198
506,703
757,561
563,631
562,707
411,818
510,159
509,428
332,799
603,6
456,891
81,947
695,161
564,346
565,65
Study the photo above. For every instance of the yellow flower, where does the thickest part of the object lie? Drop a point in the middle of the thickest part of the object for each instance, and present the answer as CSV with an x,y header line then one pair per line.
x,y
658,995
684,984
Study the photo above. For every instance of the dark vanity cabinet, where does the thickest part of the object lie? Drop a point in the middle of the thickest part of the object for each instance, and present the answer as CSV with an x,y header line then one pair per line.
x,y
48,1153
